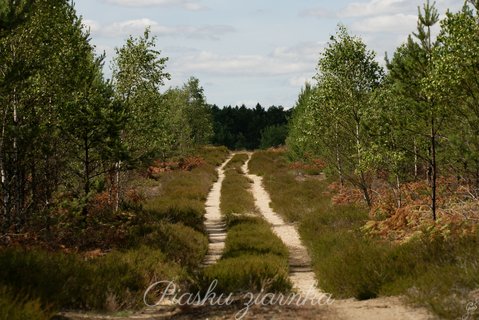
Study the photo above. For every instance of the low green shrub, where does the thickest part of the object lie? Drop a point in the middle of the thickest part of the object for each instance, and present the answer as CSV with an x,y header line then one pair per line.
x,y
15,308
252,273
213,155
446,290
180,243
236,199
237,161
121,277
188,212
253,237
112,282
265,163
356,267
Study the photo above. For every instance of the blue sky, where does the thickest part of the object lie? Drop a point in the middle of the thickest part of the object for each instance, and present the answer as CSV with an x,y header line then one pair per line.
x,y
252,50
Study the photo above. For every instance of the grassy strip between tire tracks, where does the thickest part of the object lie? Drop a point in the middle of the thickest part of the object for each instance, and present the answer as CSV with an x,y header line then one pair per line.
x,y
254,259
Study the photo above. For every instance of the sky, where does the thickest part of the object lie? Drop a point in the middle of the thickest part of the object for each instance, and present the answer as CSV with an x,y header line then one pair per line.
x,y
249,51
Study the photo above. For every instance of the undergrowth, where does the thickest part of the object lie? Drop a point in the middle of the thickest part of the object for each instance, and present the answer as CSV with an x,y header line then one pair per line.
x,y
431,270
157,235
20,308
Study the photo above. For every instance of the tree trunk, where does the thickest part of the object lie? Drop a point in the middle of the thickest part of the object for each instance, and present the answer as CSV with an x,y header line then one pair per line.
x,y
86,172
399,195
338,159
340,168
415,161
3,176
433,168
117,181
365,189
476,182
16,165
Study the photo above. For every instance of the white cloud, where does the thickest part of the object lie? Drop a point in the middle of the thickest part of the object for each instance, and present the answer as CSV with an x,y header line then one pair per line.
x,y
318,13
91,25
308,51
137,26
242,65
389,7
378,7
395,23
128,27
299,80
108,50
293,65
212,32
190,5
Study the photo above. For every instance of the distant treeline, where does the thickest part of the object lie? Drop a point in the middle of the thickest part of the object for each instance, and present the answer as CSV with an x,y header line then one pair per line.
x,y
243,128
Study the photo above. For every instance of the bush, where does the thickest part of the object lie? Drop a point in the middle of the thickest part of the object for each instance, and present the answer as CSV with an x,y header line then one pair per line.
x,y
213,155
273,136
188,212
161,240
12,308
252,273
355,267
237,161
253,237
114,281
235,196
180,243
127,274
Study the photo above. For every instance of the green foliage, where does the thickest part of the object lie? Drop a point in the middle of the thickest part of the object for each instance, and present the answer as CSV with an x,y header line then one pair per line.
x,y
115,281
273,136
453,83
198,113
240,127
12,308
56,126
214,156
188,212
268,273
252,236
329,121
138,73
235,196
419,120
301,126
190,123
181,244
237,162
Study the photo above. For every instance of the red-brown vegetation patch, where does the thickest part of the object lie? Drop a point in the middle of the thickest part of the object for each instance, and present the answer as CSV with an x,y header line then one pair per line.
x,y
345,195
399,214
185,164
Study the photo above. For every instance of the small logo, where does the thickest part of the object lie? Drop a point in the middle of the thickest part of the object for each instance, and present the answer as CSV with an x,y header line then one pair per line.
x,y
471,308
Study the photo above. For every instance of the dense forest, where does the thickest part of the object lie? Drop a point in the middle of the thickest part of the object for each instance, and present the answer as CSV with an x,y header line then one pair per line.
x,y
243,128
